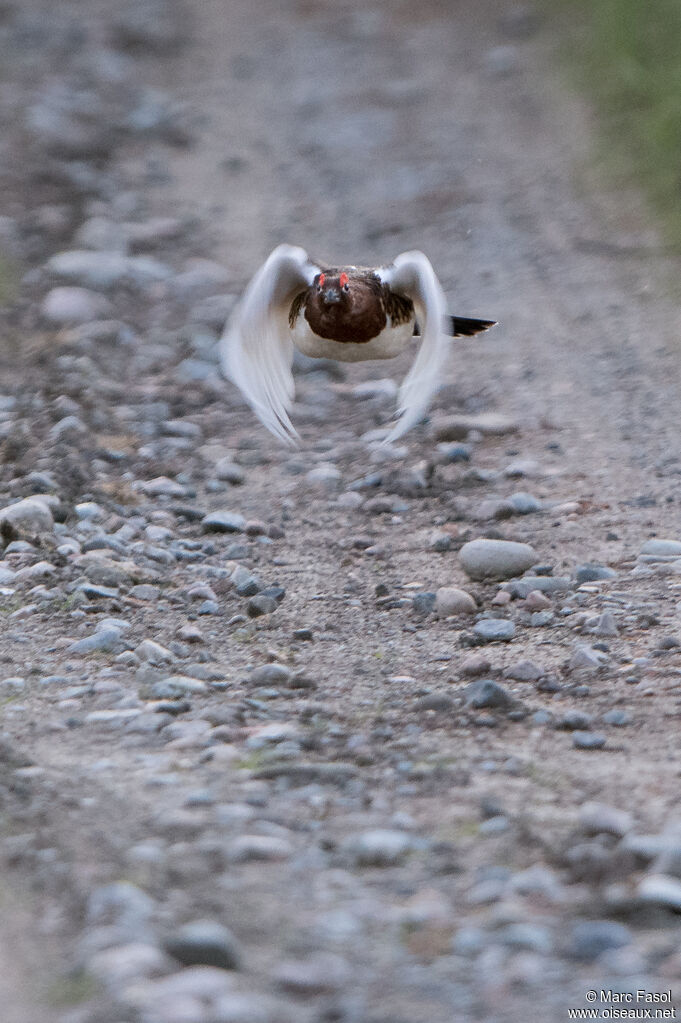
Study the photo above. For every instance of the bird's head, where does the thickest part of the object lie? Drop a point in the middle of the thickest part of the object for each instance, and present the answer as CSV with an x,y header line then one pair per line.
x,y
332,289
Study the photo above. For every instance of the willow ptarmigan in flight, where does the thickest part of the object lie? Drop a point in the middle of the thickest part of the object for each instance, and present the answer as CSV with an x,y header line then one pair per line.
x,y
350,313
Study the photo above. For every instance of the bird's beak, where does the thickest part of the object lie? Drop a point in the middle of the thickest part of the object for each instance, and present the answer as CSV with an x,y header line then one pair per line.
x,y
331,296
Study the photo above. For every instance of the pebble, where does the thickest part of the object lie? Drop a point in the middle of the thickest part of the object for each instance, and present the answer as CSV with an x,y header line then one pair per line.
x,y
474,665
489,424
588,740
574,720
662,548
379,848
64,306
261,605
452,601
589,939
103,640
606,625
585,658
28,516
485,693
524,504
118,966
317,974
597,818
454,452
227,470
661,890
259,848
175,686
223,521
591,573
423,604
521,588
153,653
524,671
617,718
270,675
121,904
204,943
103,271
325,475
496,559
494,630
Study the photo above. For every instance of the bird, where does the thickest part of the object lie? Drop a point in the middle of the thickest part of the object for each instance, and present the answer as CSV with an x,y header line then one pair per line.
x,y
346,313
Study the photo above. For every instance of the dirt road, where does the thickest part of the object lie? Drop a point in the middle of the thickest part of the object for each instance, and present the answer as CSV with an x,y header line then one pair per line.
x,y
252,770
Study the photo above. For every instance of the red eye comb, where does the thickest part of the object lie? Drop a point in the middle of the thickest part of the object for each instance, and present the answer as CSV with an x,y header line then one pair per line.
x,y
322,278
344,279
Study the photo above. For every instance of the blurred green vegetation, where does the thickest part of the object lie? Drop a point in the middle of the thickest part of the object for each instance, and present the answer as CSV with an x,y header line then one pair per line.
x,y
628,53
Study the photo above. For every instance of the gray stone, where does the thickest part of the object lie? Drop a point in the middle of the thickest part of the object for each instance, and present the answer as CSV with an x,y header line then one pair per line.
x,y
587,659
321,973
204,943
118,966
423,603
521,588
494,630
270,675
496,559
103,640
259,848
662,548
229,471
661,890
28,516
591,572
597,818
588,740
606,625
70,305
490,424
223,521
487,693
175,686
524,671
589,939
379,848
261,605
103,271
524,504
121,904
452,601
325,475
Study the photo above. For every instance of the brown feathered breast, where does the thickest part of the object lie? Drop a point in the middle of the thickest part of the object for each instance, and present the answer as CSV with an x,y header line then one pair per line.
x,y
360,315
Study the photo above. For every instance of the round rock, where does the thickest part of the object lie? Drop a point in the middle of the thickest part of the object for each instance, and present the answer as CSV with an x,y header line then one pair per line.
x,y
452,601
496,559
204,943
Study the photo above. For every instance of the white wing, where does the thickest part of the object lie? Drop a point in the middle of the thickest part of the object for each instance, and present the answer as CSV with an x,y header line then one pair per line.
x,y
256,350
412,275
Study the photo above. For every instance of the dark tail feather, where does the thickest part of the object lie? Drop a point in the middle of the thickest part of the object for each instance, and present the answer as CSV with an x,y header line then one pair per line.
x,y
462,326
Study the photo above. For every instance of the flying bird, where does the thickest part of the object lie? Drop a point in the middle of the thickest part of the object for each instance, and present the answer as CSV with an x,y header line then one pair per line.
x,y
349,313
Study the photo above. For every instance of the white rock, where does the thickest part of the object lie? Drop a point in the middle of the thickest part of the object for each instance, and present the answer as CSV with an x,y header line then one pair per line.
x,y
65,305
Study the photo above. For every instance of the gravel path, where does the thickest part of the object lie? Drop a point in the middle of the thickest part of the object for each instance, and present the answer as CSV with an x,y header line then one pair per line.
x,y
349,734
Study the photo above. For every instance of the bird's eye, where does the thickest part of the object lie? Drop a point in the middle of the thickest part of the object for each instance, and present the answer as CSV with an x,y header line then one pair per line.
x,y
344,282
320,282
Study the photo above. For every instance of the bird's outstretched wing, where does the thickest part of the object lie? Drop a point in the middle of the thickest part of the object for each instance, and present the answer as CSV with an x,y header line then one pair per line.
x,y
256,350
412,275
